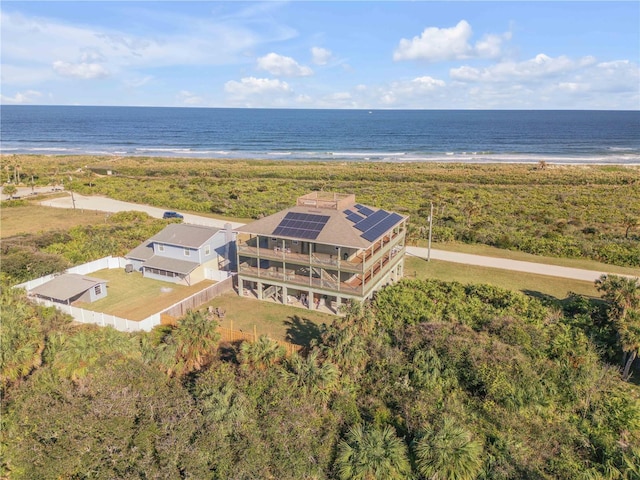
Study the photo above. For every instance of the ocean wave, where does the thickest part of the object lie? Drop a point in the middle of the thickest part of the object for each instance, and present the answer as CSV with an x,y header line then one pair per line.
x,y
366,154
163,149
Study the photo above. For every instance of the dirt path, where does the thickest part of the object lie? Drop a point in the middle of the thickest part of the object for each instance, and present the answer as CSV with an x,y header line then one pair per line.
x,y
109,205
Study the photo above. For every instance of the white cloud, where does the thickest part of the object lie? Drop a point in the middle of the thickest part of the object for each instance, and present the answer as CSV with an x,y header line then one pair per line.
x,y
541,66
321,56
86,71
427,83
188,98
137,82
254,92
439,44
283,66
29,96
410,93
31,45
256,86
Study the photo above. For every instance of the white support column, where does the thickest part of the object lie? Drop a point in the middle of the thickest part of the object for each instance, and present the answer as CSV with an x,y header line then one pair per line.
x,y
260,291
285,296
240,287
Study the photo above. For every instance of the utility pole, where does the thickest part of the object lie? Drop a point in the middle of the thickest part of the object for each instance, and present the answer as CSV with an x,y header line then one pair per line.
x,y
430,225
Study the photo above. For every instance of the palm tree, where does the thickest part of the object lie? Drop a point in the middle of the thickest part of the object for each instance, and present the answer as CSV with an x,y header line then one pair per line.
x,y
78,354
196,337
9,190
448,453
311,375
224,407
22,341
261,354
623,294
368,453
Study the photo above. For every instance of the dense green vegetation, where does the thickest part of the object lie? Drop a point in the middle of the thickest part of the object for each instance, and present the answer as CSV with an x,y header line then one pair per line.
x,y
580,211
432,380
24,257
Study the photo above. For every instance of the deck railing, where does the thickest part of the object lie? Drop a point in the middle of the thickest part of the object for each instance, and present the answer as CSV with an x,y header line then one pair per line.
x,y
358,263
304,280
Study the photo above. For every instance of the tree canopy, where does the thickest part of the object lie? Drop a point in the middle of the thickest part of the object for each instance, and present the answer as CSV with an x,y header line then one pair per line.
x,y
431,380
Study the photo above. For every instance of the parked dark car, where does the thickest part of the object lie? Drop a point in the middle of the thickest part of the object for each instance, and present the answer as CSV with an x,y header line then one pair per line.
x,y
172,215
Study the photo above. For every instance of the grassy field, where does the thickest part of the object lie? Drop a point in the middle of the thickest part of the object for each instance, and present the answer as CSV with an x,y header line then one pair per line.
x,y
134,297
486,250
537,285
34,218
281,322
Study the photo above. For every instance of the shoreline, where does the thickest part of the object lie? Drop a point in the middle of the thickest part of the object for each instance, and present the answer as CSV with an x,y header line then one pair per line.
x,y
459,159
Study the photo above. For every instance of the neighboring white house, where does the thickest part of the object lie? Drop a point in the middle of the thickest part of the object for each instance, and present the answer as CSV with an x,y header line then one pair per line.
x,y
70,287
184,253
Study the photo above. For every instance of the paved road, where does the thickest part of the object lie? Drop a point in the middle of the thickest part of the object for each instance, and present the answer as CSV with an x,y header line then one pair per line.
x,y
109,205
105,204
506,264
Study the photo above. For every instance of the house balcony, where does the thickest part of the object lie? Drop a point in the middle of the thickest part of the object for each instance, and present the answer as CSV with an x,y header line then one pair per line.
x,y
357,263
359,283
325,282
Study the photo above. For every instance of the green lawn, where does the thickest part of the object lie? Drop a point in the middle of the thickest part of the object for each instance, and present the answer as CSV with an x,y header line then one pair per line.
x,y
133,297
486,250
281,322
529,283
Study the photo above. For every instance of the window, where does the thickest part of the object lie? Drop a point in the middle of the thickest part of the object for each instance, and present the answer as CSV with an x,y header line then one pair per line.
x,y
207,249
295,242
97,289
160,247
187,252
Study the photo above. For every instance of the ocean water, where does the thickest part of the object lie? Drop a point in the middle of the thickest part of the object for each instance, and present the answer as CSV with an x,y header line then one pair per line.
x,y
491,136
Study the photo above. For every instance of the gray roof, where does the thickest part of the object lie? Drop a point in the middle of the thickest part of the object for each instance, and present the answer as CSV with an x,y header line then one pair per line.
x,y
185,235
337,231
182,267
66,286
144,251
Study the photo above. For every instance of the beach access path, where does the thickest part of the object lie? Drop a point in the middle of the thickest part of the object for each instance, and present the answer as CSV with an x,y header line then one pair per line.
x,y
106,204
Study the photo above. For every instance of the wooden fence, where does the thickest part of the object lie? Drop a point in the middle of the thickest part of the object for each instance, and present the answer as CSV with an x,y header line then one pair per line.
x,y
231,336
197,299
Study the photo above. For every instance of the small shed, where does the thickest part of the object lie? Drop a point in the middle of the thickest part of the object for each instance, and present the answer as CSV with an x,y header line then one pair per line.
x,y
70,287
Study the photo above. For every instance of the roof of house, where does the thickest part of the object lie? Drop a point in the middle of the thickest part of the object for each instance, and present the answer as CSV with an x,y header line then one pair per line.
x,y
185,235
66,286
177,234
182,267
355,226
144,251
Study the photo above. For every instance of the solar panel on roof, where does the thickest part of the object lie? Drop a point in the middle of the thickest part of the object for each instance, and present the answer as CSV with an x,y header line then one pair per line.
x,y
355,218
381,227
371,220
348,212
301,225
366,211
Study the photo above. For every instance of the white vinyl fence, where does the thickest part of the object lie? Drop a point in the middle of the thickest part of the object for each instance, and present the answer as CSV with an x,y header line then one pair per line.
x,y
84,269
104,319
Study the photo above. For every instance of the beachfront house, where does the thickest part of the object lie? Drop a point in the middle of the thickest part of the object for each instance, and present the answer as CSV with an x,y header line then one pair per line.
x,y
323,252
71,287
184,254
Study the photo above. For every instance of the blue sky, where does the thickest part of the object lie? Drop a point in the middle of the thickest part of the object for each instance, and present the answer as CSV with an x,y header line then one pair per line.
x,y
306,54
